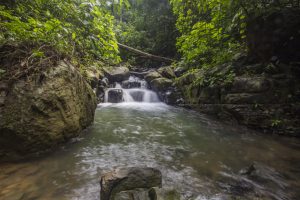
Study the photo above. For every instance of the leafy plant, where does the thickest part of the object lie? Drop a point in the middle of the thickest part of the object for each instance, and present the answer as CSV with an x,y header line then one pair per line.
x,y
275,122
82,30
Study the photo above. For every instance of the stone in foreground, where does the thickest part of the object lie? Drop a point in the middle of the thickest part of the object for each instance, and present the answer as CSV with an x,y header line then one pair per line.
x,y
124,179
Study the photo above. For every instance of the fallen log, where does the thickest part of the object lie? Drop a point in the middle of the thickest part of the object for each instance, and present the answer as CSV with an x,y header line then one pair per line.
x,y
146,55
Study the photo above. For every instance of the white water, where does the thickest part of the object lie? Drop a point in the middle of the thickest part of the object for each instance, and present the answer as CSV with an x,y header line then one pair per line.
x,y
135,94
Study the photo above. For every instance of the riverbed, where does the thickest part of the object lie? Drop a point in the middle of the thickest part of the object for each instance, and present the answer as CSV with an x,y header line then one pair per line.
x,y
199,157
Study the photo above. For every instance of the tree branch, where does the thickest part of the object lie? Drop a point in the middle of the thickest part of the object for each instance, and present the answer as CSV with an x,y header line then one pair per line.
x,y
146,55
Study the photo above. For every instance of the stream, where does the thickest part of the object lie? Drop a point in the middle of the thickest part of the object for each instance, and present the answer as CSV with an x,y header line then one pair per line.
x,y
199,157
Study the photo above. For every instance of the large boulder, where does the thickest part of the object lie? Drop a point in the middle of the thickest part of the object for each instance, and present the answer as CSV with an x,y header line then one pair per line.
x,y
124,179
116,74
161,84
43,110
150,76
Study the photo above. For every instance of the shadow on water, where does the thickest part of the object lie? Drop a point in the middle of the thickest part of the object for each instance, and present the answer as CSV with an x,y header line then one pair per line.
x,y
200,157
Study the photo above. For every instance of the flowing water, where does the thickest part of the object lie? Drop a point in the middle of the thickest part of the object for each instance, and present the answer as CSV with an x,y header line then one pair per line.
x,y
199,157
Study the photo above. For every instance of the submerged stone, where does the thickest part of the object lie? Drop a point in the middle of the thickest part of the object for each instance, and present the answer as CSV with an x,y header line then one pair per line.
x,y
124,179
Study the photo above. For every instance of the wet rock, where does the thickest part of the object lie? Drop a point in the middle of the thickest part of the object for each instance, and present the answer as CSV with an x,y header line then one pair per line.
x,y
173,96
115,96
152,75
104,82
138,194
131,84
179,71
161,84
101,87
124,179
167,72
116,74
163,194
38,116
248,171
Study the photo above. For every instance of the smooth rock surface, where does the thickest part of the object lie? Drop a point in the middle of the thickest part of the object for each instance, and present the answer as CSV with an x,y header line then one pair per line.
x,y
116,74
123,179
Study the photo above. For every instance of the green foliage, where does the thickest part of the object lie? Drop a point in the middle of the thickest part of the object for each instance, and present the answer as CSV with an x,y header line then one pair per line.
x,y
276,122
211,31
214,78
148,25
2,71
80,29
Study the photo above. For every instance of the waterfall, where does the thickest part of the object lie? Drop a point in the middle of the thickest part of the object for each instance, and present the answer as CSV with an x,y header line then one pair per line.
x,y
137,92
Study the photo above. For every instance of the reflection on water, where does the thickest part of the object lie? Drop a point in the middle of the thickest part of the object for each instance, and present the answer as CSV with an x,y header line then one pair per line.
x,y
199,157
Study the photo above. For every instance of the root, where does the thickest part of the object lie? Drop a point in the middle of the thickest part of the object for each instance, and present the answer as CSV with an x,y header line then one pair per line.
x,y
23,60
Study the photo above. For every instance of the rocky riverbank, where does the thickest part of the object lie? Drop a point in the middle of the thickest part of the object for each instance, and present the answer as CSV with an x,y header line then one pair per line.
x,y
260,96
258,89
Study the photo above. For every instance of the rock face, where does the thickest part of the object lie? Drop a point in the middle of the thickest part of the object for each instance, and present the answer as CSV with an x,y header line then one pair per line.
x,y
259,97
44,110
93,76
117,74
124,179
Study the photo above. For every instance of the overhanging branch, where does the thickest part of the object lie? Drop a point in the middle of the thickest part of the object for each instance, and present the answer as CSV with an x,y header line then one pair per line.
x,y
146,55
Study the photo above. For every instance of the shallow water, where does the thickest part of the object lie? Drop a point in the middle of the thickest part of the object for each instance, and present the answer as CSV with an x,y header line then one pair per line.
x,y
199,157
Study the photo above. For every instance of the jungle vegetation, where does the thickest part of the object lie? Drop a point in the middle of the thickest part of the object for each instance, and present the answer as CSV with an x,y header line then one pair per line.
x,y
198,33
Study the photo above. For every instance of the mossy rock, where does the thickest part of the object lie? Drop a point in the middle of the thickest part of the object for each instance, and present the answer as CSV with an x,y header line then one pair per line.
x,y
161,84
152,75
44,110
167,72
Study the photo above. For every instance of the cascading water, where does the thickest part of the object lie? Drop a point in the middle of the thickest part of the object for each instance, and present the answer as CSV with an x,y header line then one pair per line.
x,y
137,92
